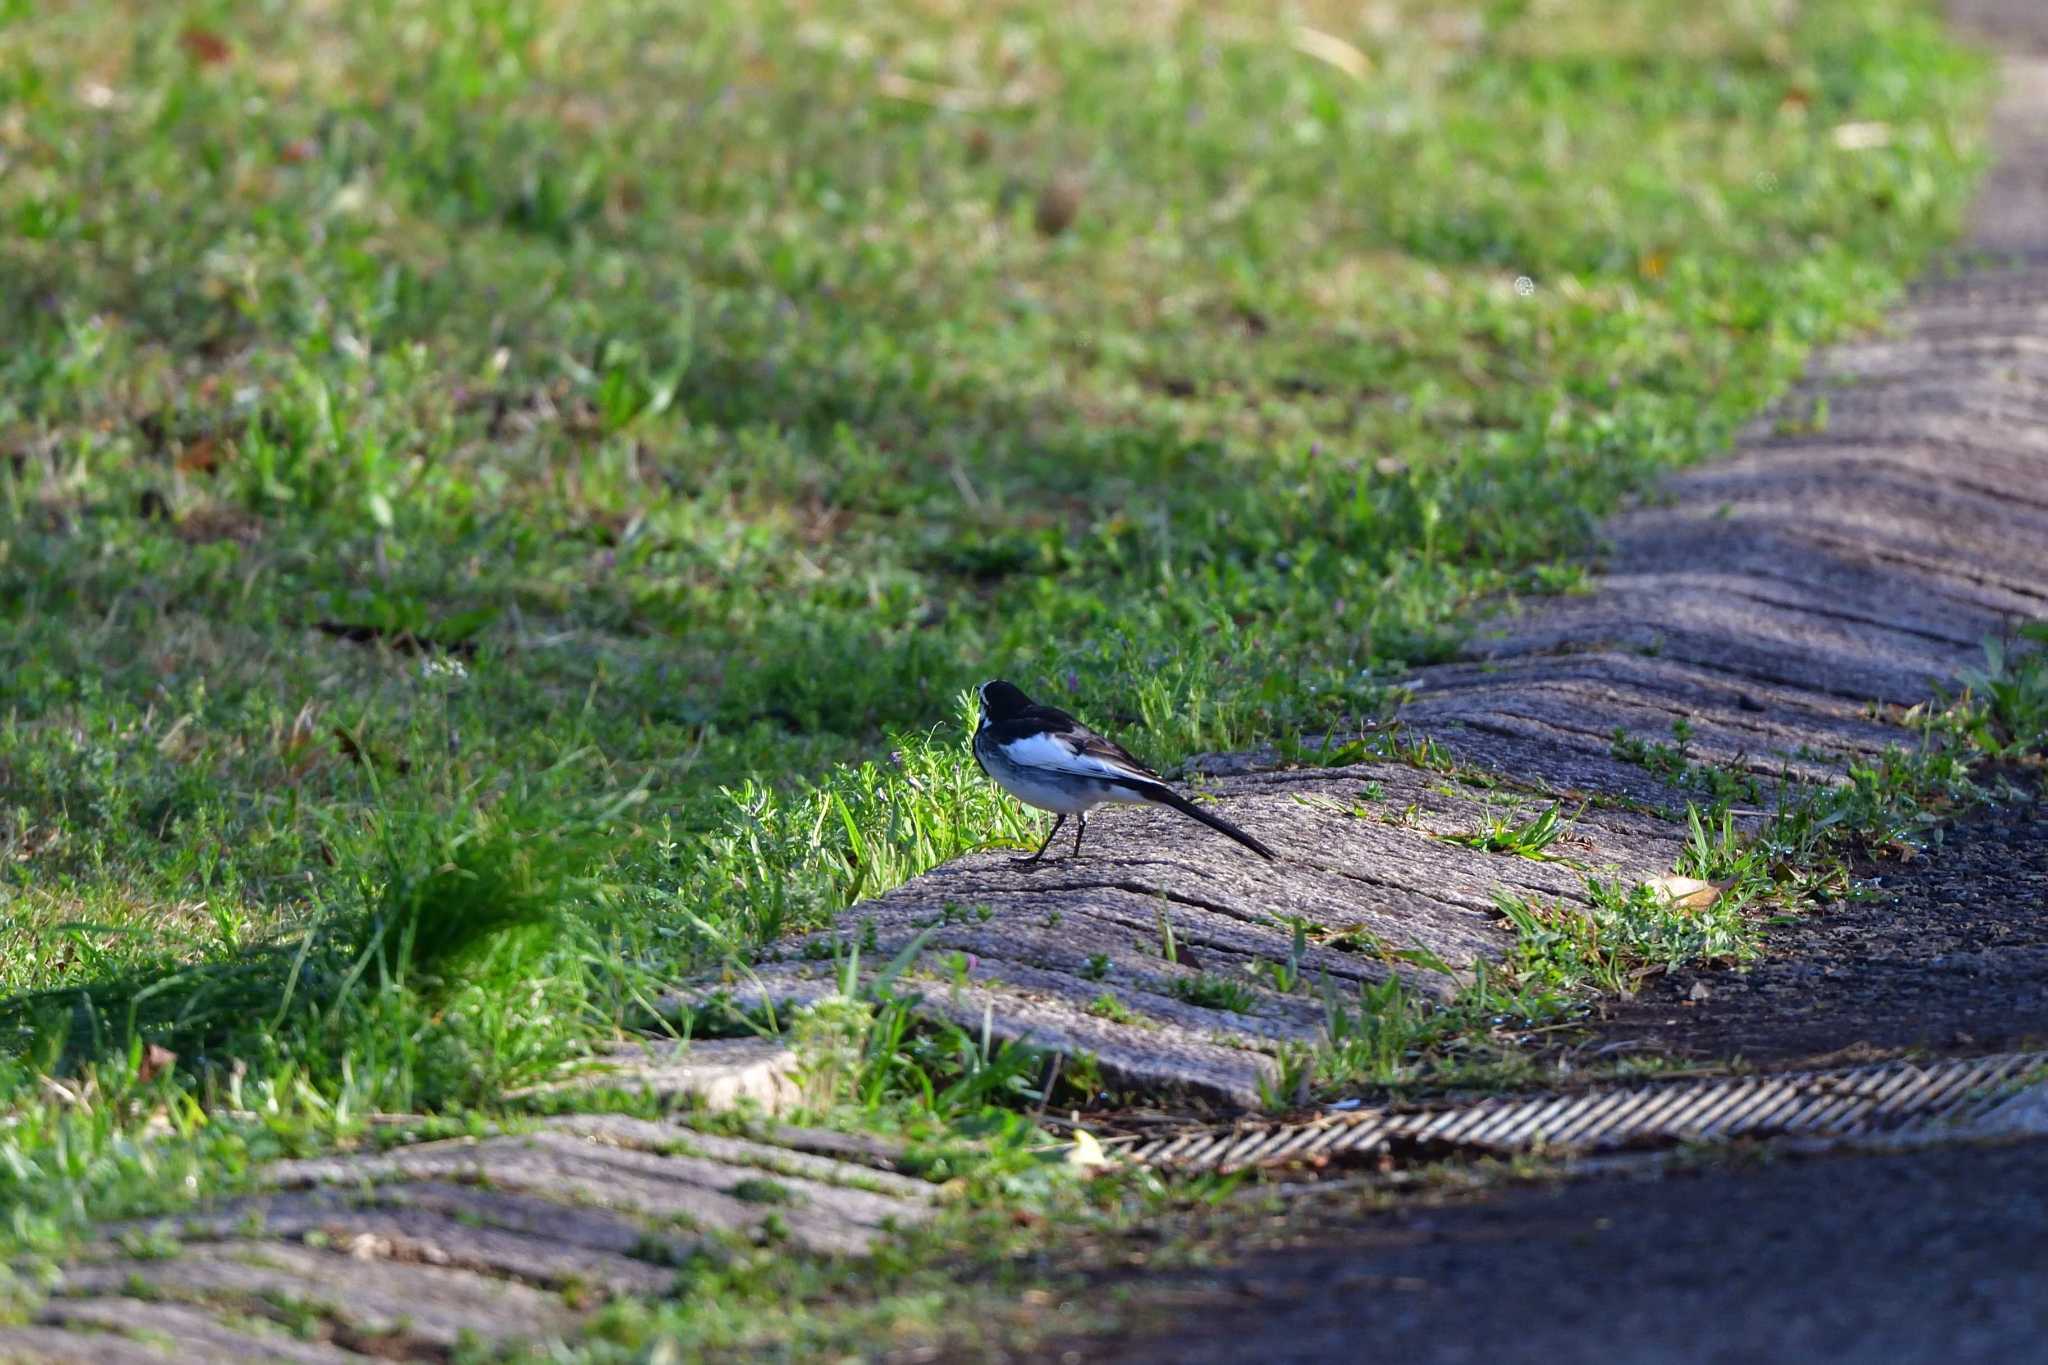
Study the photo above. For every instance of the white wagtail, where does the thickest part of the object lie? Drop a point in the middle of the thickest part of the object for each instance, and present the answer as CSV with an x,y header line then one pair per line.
x,y
1046,758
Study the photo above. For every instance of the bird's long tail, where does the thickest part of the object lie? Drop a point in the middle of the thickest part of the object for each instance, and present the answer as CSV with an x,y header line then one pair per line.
x,y
1166,796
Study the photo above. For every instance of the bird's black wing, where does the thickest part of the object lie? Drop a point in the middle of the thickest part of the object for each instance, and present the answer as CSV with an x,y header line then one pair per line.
x,y
1048,737
1076,737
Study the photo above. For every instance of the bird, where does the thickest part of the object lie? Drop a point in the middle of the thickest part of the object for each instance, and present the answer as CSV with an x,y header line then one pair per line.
x,y
1046,758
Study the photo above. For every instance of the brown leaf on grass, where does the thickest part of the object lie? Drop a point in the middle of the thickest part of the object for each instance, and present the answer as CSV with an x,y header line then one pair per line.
x,y
205,46
1687,893
34,840
203,455
303,728
1059,203
156,1059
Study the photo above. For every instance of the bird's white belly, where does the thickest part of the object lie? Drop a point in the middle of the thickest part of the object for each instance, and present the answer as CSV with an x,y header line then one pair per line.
x,y
1066,796
1063,793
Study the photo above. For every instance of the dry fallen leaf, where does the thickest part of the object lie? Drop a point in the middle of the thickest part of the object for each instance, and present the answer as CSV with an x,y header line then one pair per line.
x,y
1688,893
1059,203
201,455
205,46
1332,50
296,749
156,1059
1861,137
63,1094
1086,1154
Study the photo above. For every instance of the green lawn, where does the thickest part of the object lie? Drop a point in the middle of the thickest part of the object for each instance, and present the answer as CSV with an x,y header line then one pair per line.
x,y
484,466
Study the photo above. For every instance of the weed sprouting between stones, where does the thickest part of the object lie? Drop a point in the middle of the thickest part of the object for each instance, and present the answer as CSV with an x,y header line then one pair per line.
x,y
1530,838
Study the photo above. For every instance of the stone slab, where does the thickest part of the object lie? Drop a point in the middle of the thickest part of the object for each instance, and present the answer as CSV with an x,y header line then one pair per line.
x,y
398,1231
702,1193
175,1331
369,1298
709,1073
485,1228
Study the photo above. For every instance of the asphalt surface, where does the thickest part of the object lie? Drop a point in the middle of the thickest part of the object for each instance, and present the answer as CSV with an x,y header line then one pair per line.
x,y
1934,1256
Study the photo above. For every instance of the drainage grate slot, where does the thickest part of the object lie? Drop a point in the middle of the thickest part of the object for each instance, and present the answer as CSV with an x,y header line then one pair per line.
x,y
1890,1097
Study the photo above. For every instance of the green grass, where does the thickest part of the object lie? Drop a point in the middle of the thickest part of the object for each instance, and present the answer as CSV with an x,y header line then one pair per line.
x,y
1530,838
499,501
1210,991
1674,764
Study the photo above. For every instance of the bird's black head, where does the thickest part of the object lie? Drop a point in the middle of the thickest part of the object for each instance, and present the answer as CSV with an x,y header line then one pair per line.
x,y
1002,701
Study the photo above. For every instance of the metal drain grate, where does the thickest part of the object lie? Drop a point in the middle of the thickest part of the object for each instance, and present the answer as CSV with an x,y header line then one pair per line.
x,y
1889,1097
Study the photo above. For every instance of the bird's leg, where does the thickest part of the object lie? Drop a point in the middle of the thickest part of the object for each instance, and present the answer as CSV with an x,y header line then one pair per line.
x,y
1027,862
1080,828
